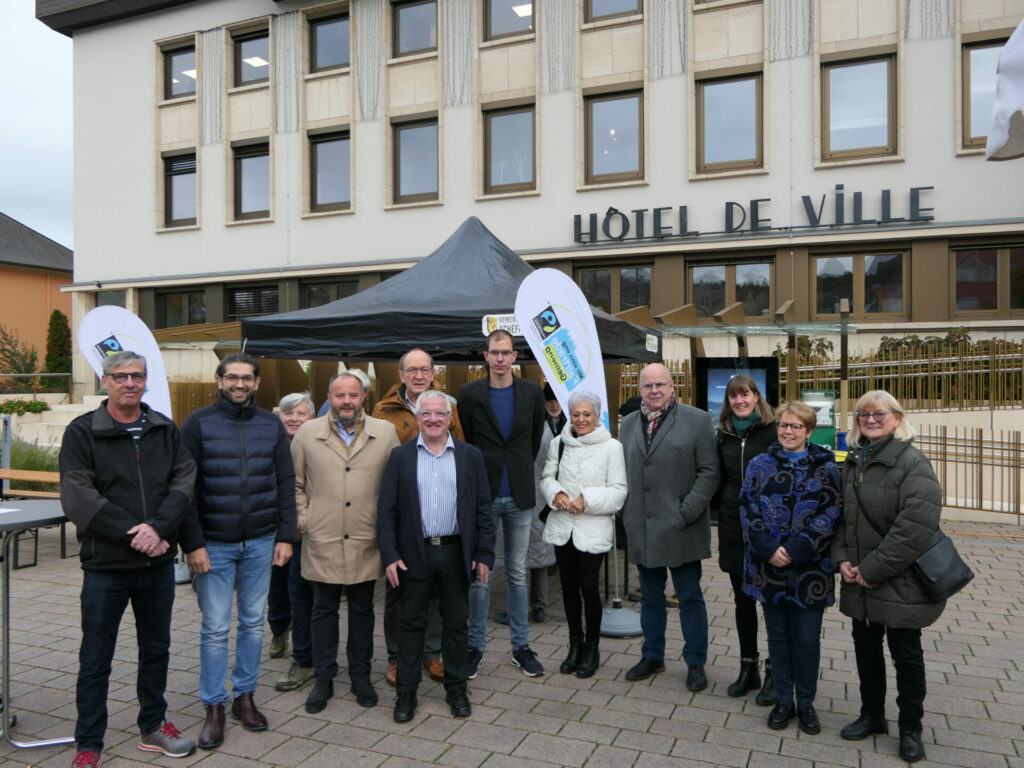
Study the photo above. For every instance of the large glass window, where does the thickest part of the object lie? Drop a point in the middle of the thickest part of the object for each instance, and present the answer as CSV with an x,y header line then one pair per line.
x,y
708,293
874,284
754,289
508,149
883,283
330,172
859,108
180,190
252,181
614,137
179,72
328,43
616,289
252,58
979,90
1016,278
603,9
634,287
182,309
507,17
596,285
713,287
249,302
414,27
318,294
415,161
834,283
977,287
729,123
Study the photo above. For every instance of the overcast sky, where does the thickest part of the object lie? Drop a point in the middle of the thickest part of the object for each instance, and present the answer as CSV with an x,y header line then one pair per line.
x,y
35,122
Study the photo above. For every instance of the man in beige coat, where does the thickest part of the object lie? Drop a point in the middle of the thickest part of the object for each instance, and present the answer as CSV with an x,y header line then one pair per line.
x,y
339,462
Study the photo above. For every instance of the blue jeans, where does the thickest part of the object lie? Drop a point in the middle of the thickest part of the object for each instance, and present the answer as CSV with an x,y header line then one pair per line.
x,y
516,526
242,567
693,614
794,646
105,595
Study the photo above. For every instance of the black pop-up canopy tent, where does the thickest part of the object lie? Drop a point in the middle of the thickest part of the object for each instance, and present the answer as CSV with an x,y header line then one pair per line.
x,y
437,305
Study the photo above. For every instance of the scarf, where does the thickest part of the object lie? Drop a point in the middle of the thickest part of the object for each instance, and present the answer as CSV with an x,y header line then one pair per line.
x,y
653,417
742,425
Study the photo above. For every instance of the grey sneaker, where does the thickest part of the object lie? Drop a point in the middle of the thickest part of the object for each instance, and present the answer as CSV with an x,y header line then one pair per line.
x,y
168,740
526,660
296,678
278,645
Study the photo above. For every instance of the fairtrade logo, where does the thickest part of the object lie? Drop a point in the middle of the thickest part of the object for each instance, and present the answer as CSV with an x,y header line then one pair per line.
x,y
546,323
109,346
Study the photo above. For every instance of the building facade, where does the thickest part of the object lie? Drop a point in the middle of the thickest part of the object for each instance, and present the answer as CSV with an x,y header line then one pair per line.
x,y
235,157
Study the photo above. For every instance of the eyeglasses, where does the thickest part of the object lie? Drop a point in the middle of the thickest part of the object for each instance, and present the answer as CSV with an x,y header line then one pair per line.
x,y
435,414
873,415
499,353
648,386
232,378
785,426
121,378
424,371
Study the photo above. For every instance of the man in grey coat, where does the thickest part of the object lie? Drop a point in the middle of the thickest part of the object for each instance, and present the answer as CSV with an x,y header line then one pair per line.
x,y
672,471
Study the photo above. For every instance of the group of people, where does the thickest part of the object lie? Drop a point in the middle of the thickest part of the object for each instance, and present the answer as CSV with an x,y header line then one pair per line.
x,y
305,509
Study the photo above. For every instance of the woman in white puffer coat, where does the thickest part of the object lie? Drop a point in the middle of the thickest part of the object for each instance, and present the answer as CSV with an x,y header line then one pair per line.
x,y
584,484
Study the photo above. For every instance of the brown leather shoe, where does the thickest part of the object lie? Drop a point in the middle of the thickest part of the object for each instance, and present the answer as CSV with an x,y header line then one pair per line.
x,y
244,708
212,735
435,669
391,678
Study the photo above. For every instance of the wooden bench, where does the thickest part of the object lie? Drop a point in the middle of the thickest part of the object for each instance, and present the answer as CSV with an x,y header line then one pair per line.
x,y
32,476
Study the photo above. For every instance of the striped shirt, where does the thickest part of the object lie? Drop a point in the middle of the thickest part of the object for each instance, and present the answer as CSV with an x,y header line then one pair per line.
x,y
435,480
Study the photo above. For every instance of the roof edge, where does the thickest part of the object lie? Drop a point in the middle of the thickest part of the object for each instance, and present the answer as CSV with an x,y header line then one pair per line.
x,y
69,16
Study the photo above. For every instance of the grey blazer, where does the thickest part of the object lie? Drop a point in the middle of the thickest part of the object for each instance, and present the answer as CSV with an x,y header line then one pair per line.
x,y
670,486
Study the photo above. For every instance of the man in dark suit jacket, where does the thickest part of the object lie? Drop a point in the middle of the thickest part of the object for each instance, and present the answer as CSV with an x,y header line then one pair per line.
x,y
436,536
503,416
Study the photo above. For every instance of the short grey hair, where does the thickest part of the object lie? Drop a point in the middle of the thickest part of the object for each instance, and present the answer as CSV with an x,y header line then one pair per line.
x,y
432,394
122,358
294,400
355,373
583,396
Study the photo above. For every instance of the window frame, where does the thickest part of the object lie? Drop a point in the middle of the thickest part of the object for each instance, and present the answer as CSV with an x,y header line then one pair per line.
x,y
730,281
589,17
237,38
333,291
396,170
169,173
967,139
1004,298
313,141
239,153
259,289
891,148
396,7
316,21
488,37
168,53
857,300
757,161
615,282
498,189
590,178
161,307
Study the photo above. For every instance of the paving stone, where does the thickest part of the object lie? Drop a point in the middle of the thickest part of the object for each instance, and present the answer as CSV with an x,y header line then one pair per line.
x,y
555,749
611,757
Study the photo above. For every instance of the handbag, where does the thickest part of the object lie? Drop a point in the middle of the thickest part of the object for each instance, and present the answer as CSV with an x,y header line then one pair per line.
x,y
543,514
940,569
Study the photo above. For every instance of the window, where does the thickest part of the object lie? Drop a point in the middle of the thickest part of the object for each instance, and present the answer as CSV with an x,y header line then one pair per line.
x,y
318,294
603,9
111,298
252,181
414,27
177,309
252,58
415,161
508,149
330,172
249,302
180,72
507,17
874,284
858,104
616,289
979,90
988,280
180,190
729,123
614,137
713,287
328,43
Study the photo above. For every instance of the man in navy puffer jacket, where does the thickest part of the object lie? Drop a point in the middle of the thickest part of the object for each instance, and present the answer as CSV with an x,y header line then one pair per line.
x,y
242,520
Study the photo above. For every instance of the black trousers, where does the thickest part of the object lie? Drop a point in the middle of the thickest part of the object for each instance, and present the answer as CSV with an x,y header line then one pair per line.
x,y
580,574
447,581
746,618
279,604
324,629
907,658
393,624
300,595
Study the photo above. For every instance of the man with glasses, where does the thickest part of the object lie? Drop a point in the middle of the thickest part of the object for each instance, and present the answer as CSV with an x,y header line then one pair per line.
x,y
416,374
672,472
503,416
242,520
126,483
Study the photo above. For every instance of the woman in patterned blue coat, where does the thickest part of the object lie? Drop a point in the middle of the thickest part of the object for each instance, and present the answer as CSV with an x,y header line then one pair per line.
x,y
789,506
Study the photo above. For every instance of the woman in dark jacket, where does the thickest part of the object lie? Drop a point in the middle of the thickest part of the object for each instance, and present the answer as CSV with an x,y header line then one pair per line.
x,y
746,427
891,507
789,506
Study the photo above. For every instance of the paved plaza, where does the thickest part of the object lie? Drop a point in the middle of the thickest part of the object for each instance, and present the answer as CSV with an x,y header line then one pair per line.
x,y
974,710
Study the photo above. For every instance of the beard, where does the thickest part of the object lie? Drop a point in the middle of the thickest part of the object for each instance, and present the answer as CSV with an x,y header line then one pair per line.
x,y
346,420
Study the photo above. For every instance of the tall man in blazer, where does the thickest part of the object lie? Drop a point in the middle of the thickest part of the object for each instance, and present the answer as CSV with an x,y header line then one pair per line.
x,y
672,472
436,535
503,416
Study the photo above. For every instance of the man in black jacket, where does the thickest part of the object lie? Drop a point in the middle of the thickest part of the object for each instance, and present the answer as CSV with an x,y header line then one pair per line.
x,y
503,416
126,483
242,520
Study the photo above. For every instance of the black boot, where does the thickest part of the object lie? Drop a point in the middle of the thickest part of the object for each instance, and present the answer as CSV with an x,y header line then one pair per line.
x,y
572,660
590,658
766,696
749,679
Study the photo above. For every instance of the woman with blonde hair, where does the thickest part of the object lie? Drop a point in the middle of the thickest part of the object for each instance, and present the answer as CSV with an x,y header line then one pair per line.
x,y
891,507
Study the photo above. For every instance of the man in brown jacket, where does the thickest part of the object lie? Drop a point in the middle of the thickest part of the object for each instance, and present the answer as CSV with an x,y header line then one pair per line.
x,y
339,462
416,371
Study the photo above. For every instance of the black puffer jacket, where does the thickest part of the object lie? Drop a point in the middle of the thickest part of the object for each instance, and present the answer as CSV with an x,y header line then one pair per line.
x,y
903,497
245,485
734,454
107,487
